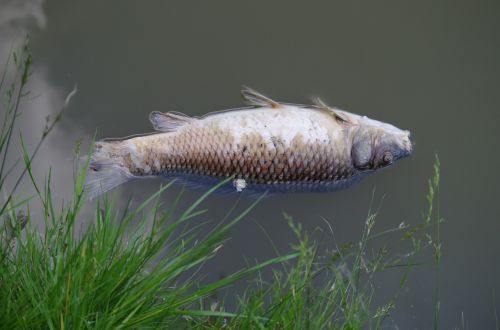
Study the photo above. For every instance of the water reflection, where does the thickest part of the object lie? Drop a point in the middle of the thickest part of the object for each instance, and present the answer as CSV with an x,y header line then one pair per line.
x,y
17,19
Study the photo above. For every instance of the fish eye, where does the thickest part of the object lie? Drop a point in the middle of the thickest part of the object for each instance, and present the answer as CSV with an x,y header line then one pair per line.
x,y
387,158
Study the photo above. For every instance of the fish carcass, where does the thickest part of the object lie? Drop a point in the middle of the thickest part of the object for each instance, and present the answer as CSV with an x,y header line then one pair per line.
x,y
268,146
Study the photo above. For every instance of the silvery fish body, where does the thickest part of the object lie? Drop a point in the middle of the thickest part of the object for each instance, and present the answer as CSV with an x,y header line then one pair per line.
x,y
269,146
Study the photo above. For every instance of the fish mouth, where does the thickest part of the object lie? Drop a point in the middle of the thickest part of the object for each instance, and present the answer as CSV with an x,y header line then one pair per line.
x,y
407,147
403,153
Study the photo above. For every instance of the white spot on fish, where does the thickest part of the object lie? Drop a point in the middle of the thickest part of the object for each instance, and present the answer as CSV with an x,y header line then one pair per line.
x,y
239,184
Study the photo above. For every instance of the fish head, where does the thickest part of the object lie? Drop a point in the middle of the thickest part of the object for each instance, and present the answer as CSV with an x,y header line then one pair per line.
x,y
377,144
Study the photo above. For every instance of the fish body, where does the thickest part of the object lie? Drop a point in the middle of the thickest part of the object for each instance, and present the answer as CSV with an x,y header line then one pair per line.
x,y
269,146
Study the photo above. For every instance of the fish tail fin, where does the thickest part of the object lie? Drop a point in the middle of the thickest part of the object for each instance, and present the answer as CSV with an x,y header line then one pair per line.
x,y
107,168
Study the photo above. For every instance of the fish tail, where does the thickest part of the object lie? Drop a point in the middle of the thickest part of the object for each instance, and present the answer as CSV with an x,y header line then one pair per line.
x,y
107,168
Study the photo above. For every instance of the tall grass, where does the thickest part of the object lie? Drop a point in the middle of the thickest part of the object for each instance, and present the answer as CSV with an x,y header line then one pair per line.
x,y
334,289
119,272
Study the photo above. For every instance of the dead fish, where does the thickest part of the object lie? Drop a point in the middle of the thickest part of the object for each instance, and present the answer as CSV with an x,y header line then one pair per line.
x,y
268,146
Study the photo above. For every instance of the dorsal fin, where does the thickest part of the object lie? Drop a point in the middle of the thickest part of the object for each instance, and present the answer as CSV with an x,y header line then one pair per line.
x,y
169,121
254,98
323,106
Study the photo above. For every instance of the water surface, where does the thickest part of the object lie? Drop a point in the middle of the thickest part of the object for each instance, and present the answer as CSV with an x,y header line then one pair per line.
x,y
430,67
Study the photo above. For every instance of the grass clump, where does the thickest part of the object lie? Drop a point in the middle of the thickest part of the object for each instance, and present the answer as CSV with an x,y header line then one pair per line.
x,y
106,278
137,267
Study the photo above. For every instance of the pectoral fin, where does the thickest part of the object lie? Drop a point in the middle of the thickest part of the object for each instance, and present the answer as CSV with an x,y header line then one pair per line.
x,y
169,121
254,98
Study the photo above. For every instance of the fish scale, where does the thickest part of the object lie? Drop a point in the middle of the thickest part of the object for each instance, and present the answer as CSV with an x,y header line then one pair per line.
x,y
253,160
269,146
